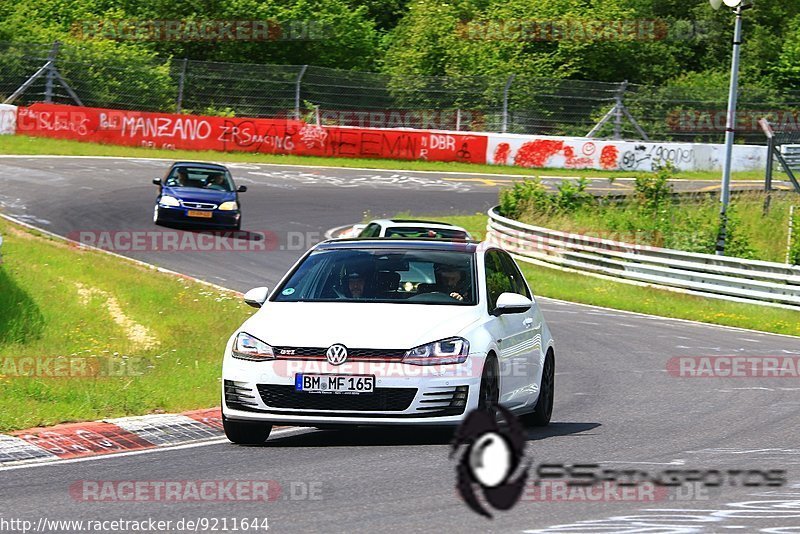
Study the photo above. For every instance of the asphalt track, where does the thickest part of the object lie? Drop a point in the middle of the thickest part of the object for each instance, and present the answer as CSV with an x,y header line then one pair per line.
x,y
616,404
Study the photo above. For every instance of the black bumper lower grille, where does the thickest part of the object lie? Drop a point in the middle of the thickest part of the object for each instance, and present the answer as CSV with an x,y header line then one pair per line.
x,y
381,400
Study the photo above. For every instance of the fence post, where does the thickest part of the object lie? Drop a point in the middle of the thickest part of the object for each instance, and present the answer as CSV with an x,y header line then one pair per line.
x,y
458,119
51,73
181,82
618,109
768,174
505,102
297,92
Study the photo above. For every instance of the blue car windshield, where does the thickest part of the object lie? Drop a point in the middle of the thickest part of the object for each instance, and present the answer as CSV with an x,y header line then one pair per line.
x,y
200,178
382,275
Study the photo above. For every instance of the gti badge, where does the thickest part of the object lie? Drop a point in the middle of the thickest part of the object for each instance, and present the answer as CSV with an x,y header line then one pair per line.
x,y
492,457
336,354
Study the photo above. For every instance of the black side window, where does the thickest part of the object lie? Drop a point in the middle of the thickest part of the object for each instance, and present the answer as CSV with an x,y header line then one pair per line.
x,y
497,280
513,272
372,230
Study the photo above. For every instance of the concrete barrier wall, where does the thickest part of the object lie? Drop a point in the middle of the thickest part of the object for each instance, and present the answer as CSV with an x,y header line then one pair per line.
x,y
223,134
281,136
8,119
582,153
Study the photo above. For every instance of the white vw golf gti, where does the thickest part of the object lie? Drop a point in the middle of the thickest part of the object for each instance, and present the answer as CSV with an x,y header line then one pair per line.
x,y
399,332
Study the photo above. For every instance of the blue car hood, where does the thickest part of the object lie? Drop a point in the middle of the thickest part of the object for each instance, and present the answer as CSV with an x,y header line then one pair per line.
x,y
193,194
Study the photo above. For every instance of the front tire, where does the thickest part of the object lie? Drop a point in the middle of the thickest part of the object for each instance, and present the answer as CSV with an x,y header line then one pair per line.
x,y
544,405
489,396
246,433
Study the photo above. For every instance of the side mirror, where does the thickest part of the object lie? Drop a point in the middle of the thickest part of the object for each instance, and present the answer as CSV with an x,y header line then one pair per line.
x,y
256,297
241,189
157,181
511,303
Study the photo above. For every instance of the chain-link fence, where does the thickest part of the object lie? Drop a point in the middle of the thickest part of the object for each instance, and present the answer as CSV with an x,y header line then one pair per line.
x,y
513,104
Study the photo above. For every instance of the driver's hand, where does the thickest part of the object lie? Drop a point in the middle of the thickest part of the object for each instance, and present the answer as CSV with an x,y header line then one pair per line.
x,y
456,296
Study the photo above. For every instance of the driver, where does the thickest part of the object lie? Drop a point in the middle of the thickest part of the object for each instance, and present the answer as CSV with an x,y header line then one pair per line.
x,y
181,177
356,285
453,282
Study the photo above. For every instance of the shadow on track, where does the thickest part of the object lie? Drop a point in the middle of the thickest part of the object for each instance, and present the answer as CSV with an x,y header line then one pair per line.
x,y
244,235
410,436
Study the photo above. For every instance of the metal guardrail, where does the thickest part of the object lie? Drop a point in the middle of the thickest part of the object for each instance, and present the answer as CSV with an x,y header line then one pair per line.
x,y
757,282
791,153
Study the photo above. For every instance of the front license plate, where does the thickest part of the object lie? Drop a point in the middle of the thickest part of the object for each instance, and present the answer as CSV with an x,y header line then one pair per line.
x,y
351,384
201,214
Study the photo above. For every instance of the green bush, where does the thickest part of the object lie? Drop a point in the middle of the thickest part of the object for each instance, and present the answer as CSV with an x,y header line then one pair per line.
x,y
794,247
654,216
524,195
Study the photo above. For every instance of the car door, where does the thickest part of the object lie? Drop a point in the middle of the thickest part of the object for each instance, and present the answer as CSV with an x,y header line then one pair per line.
x,y
532,323
511,333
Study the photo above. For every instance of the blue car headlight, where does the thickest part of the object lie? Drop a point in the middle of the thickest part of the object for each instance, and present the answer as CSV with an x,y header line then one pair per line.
x,y
229,206
169,201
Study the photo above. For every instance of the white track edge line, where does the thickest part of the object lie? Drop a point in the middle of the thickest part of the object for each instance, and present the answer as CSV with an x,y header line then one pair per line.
x,y
499,175
200,443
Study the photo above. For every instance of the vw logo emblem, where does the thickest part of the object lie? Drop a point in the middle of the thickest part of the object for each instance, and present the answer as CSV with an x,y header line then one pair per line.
x,y
337,354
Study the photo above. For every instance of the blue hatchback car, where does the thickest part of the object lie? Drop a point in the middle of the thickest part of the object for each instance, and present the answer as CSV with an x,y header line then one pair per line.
x,y
198,194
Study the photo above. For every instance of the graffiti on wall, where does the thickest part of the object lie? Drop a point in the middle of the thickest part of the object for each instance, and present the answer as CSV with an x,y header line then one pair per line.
x,y
577,153
273,136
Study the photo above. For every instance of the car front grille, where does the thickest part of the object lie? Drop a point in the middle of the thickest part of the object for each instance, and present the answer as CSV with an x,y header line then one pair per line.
x,y
314,353
380,400
199,205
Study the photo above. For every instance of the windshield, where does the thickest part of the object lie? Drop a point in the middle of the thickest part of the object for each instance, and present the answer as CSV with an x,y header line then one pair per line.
x,y
200,178
418,231
412,277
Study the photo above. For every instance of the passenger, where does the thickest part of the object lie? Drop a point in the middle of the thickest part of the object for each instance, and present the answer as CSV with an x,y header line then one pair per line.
x,y
217,181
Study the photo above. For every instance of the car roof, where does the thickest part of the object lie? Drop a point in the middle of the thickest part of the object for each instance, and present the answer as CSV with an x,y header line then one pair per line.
x,y
412,223
204,164
417,243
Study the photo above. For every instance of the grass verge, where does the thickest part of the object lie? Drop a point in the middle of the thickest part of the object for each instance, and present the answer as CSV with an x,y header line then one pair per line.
x,y
26,145
84,335
585,289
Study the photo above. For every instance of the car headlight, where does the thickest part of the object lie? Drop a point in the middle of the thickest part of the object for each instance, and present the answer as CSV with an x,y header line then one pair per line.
x,y
229,206
167,200
247,347
450,350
